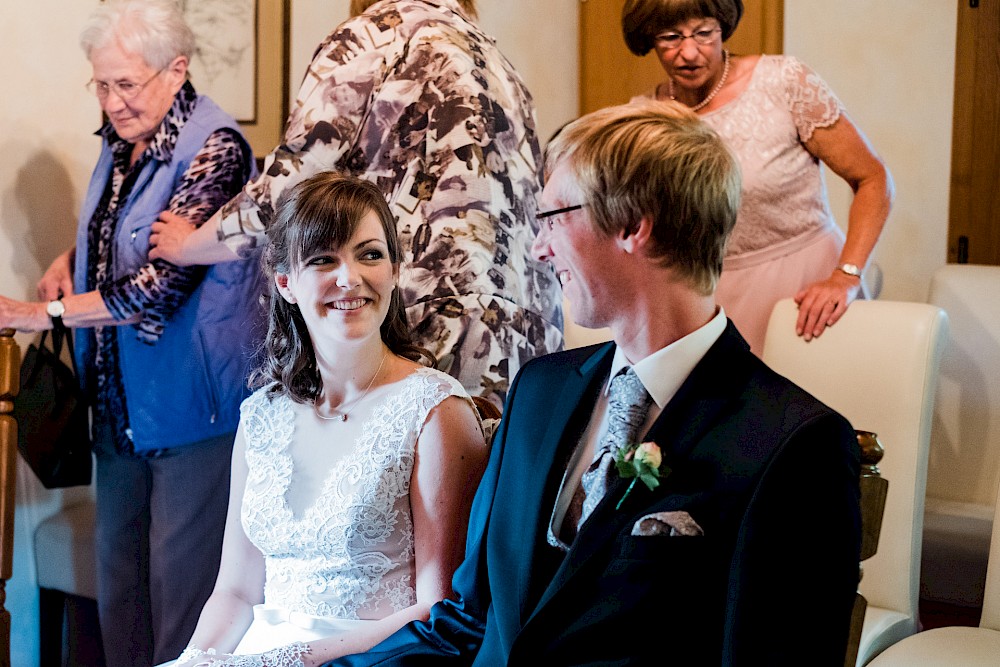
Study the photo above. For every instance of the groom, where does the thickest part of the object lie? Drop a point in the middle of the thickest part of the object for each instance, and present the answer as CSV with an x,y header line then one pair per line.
x,y
731,535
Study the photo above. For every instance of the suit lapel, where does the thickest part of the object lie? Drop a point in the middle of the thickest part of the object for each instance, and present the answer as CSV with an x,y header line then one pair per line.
x,y
558,435
571,411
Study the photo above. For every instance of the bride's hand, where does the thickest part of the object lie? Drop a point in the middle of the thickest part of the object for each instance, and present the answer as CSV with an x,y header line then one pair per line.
x,y
283,656
205,661
192,657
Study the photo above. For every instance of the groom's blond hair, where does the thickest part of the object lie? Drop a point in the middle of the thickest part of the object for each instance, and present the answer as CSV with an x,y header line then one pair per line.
x,y
655,160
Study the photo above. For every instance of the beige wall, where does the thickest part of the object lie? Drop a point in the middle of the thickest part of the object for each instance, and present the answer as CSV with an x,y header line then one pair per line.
x,y
540,38
892,63
47,120
311,21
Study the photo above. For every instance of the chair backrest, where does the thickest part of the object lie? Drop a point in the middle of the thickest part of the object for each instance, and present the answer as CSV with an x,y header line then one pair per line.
x,y
991,598
878,367
10,372
964,464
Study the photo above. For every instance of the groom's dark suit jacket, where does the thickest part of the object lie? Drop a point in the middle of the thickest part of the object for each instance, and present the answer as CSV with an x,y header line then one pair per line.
x,y
768,472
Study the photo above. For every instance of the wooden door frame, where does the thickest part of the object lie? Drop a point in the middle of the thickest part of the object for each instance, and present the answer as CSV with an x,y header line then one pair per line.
x,y
974,198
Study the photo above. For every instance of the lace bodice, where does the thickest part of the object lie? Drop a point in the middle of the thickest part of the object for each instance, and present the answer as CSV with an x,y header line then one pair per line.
x,y
784,195
349,554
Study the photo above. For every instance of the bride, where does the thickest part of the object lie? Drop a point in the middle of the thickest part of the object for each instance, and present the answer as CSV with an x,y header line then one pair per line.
x,y
354,466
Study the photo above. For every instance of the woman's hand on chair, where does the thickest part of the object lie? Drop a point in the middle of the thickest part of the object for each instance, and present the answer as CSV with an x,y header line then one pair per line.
x,y
823,303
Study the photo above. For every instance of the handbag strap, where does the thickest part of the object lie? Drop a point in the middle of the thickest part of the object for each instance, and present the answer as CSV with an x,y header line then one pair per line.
x,y
58,333
61,332
41,341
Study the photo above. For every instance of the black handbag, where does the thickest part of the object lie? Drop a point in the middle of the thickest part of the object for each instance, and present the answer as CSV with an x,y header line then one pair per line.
x,y
53,429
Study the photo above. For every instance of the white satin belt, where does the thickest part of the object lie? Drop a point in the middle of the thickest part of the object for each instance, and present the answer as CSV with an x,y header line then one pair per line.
x,y
277,615
275,626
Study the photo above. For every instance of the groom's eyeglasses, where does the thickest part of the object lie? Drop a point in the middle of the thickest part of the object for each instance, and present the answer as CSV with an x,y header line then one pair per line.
x,y
548,217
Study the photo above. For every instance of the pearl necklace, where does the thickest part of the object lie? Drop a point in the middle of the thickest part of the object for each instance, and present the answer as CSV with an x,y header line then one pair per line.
x,y
343,414
715,91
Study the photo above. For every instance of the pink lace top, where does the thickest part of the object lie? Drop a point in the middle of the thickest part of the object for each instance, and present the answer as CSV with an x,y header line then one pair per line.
x,y
784,195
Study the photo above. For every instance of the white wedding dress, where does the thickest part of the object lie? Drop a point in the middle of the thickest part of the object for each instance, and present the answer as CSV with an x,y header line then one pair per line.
x,y
339,554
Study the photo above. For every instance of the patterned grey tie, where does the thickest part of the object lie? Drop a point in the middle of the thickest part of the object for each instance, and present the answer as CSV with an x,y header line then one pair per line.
x,y
627,407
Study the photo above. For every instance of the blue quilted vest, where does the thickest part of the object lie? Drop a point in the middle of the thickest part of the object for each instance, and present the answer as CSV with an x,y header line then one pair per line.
x,y
188,385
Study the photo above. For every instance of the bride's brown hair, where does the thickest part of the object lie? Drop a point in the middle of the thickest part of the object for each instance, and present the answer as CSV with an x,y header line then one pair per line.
x,y
320,213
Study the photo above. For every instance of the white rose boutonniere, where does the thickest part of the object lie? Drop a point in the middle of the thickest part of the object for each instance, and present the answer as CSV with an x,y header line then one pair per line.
x,y
643,463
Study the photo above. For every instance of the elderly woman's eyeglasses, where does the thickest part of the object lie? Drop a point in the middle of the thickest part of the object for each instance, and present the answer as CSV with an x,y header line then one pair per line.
x,y
125,90
672,40
549,217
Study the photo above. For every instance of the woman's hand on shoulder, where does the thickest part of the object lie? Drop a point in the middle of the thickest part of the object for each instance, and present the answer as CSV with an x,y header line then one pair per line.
x,y
823,303
169,235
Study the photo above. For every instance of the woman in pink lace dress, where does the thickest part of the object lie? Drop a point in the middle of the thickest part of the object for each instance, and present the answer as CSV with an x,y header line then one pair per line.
x,y
781,120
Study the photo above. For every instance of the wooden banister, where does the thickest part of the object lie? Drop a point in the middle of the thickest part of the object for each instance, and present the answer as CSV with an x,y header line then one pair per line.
x,y
10,375
873,494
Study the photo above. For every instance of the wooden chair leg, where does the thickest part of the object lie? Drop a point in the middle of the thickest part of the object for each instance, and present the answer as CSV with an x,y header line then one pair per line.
x,y
51,611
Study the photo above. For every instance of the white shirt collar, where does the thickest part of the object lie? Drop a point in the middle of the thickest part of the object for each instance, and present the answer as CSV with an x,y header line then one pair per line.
x,y
663,372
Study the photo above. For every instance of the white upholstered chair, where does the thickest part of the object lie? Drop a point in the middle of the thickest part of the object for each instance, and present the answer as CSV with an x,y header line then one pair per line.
x,y
954,646
877,366
964,465
67,584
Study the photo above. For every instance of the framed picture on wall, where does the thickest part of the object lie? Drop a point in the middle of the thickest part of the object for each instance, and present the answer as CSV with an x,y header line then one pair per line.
x,y
241,62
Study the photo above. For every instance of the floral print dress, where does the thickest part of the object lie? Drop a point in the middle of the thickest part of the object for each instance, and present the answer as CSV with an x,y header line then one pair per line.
x,y
413,96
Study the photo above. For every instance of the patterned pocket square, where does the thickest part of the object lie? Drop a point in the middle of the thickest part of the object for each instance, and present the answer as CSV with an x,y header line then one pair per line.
x,y
669,524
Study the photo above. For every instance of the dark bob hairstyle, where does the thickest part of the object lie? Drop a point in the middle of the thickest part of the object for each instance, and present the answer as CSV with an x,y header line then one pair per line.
x,y
643,20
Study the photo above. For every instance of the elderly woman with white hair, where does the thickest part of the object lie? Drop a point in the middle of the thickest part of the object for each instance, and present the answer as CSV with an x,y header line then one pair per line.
x,y
162,348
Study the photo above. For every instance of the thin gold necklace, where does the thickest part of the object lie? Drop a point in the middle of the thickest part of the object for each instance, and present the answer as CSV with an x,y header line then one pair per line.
x,y
715,91
343,414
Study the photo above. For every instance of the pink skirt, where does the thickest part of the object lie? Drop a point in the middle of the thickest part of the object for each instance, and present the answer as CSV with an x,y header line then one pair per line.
x,y
751,284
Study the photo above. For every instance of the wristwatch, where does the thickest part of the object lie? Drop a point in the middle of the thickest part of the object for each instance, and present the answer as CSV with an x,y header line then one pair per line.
x,y
850,269
55,310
